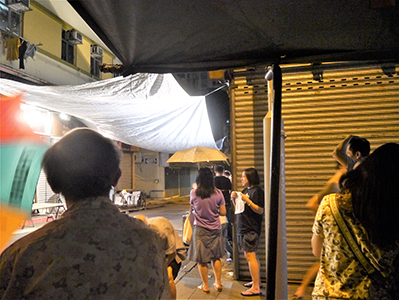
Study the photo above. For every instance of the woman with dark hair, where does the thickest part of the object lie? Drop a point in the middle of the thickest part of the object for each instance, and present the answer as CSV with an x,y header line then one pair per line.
x,y
249,224
369,205
207,242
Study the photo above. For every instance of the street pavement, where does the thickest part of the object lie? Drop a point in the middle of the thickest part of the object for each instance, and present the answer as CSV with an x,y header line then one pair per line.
x,y
188,278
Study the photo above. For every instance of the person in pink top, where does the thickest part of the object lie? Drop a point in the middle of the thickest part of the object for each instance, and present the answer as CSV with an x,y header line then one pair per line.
x,y
207,242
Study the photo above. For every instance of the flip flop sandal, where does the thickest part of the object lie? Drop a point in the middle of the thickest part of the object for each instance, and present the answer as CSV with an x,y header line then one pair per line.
x,y
249,285
219,289
249,293
201,288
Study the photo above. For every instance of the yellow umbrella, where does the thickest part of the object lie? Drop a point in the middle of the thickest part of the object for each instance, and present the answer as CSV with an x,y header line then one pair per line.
x,y
197,154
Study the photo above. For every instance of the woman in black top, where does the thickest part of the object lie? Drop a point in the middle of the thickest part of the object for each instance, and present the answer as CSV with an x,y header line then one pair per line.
x,y
249,224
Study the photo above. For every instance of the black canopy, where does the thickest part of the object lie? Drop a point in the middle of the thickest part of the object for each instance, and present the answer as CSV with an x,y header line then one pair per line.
x,y
182,36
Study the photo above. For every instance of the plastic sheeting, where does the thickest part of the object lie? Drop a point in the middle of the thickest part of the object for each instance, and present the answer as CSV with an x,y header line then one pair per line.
x,y
149,111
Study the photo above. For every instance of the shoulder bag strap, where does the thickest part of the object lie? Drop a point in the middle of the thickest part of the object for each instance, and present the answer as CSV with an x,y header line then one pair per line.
x,y
349,238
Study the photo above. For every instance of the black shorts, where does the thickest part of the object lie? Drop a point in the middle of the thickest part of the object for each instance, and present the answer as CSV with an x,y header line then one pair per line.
x,y
249,241
175,268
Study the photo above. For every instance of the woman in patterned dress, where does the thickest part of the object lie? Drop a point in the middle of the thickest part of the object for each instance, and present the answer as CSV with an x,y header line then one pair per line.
x,y
369,204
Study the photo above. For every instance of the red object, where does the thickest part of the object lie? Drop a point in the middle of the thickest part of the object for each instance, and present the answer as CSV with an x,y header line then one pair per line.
x,y
12,125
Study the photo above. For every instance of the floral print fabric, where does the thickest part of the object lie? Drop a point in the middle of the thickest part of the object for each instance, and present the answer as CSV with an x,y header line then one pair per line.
x,y
341,276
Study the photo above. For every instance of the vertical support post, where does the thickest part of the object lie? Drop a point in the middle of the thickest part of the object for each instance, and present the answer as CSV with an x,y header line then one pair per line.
x,y
274,186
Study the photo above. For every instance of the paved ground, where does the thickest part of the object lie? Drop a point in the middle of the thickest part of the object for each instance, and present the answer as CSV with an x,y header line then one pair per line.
x,y
188,278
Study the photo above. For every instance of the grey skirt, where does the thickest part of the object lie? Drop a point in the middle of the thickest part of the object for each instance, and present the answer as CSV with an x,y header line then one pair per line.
x,y
206,245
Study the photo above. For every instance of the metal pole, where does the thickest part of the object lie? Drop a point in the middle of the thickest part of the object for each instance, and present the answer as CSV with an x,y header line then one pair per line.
x,y
275,186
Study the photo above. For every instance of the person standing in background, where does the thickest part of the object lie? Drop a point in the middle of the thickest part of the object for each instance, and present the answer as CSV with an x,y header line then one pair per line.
x,y
249,226
175,251
224,184
227,173
207,241
332,186
351,151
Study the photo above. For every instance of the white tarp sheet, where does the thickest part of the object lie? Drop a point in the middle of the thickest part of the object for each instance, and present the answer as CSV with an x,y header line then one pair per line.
x,y
149,111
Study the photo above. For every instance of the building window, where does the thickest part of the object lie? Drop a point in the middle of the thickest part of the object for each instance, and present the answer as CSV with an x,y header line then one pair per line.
x,y
67,49
95,63
9,19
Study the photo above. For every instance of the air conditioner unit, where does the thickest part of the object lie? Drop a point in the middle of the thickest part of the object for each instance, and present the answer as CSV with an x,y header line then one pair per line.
x,y
96,51
18,5
74,37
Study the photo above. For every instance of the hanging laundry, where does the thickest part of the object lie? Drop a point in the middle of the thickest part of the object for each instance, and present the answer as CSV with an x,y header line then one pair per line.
x,y
12,44
30,50
22,50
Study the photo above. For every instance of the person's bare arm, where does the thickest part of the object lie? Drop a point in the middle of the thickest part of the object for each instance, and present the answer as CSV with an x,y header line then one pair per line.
x,y
222,210
172,285
339,152
317,244
233,196
256,208
314,202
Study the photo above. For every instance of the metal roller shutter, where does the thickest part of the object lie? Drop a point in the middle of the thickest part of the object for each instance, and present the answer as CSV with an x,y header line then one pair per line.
x,y
44,193
349,99
248,111
125,182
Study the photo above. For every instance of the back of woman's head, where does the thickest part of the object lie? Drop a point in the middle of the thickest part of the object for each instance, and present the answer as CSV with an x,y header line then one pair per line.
x,y
82,164
252,176
205,184
374,188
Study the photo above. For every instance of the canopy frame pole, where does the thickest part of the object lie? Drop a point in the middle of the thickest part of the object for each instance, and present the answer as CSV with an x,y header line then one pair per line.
x,y
272,233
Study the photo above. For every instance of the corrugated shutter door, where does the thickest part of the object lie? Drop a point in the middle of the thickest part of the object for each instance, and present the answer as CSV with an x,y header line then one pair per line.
x,y
125,182
249,106
44,193
359,100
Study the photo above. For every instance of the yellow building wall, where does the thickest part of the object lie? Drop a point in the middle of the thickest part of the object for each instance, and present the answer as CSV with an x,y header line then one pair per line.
x,y
82,55
39,27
